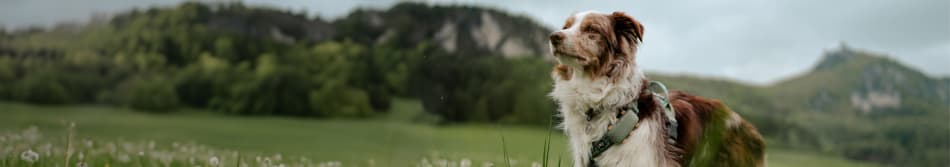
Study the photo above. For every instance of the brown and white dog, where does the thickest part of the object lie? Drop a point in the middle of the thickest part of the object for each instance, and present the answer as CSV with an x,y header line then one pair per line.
x,y
597,75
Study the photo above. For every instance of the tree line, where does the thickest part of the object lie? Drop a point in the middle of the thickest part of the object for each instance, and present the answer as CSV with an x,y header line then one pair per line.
x,y
160,60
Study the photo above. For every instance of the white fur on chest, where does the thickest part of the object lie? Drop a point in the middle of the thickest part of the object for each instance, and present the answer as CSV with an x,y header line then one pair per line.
x,y
639,149
580,94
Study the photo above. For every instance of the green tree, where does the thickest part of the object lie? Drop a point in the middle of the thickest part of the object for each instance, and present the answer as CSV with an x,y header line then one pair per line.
x,y
149,93
41,88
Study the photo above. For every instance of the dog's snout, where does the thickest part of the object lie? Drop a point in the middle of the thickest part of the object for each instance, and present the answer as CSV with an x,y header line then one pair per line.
x,y
556,38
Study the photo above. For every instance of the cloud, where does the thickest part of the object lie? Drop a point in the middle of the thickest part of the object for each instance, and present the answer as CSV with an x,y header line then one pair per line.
x,y
755,41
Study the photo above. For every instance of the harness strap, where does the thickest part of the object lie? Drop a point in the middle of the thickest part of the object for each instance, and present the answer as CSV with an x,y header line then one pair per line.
x,y
627,122
671,123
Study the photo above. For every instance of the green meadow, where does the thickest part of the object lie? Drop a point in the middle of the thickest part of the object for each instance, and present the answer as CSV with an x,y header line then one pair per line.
x,y
392,139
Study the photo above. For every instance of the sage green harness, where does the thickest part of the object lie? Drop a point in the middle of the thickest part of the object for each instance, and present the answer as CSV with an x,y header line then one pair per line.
x,y
628,121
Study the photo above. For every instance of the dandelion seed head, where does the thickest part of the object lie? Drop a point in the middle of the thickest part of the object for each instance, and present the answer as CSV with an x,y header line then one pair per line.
x,y
465,162
124,158
442,162
213,161
488,164
29,156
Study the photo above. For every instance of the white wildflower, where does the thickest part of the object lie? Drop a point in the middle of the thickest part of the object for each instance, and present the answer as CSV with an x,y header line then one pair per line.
x,y
488,164
124,158
535,164
425,163
213,161
29,156
465,162
442,162
89,143
111,147
81,156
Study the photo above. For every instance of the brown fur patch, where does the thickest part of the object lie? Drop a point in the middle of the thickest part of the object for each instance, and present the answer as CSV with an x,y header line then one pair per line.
x,y
741,145
568,23
605,44
618,36
563,71
627,27
691,111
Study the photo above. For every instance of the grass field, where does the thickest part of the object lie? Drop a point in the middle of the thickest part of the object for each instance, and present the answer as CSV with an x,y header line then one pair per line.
x,y
391,140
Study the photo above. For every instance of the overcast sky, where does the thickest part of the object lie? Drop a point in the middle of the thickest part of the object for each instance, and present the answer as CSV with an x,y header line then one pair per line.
x,y
758,41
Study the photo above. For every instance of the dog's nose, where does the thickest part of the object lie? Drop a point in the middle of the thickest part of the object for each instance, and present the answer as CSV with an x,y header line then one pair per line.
x,y
556,38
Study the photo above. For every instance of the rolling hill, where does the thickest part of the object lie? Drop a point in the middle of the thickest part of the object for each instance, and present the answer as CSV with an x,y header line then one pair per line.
x,y
469,64
857,103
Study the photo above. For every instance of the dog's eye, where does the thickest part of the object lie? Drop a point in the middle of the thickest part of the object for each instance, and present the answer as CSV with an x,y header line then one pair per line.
x,y
592,36
589,29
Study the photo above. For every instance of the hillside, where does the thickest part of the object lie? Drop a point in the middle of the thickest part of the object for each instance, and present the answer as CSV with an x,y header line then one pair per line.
x,y
463,63
856,103
848,79
198,55
869,107
461,30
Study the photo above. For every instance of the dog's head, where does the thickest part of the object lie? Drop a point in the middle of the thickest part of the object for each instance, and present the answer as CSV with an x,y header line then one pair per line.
x,y
599,44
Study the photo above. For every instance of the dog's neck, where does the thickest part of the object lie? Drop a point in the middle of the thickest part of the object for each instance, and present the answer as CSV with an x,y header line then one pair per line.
x,y
599,93
646,145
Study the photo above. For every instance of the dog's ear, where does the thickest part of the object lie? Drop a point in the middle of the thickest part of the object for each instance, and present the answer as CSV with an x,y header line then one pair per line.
x,y
627,34
627,28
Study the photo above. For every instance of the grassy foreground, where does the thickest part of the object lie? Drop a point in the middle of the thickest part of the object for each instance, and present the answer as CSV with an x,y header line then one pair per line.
x,y
392,140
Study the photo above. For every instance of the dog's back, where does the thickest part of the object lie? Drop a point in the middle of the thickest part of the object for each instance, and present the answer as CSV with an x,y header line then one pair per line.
x,y
714,135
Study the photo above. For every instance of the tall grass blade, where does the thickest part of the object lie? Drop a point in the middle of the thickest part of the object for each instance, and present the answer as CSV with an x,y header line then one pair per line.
x,y
504,146
69,142
559,160
547,143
